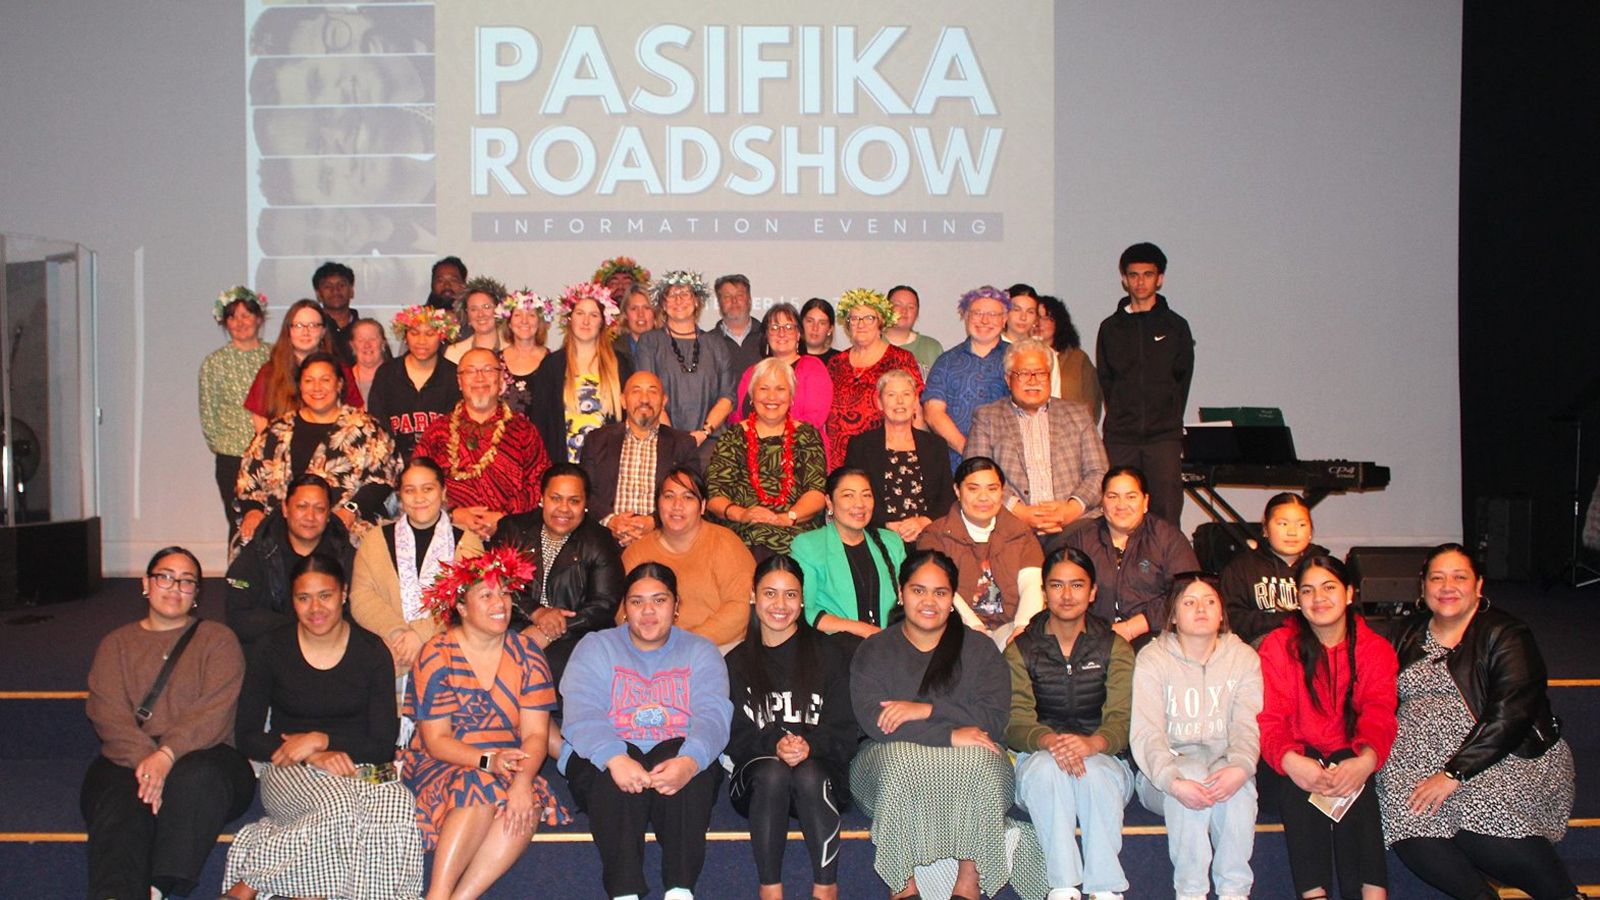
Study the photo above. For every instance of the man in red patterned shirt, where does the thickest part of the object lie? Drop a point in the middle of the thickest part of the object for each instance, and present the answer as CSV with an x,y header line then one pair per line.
x,y
492,457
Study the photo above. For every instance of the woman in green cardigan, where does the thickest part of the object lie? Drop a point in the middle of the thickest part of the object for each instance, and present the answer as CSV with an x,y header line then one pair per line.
x,y
849,567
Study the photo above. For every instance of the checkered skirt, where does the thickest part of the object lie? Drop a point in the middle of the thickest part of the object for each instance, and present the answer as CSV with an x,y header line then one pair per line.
x,y
329,836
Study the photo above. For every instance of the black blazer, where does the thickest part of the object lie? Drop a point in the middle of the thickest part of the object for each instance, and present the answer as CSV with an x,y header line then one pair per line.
x,y
602,459
867,452
547,412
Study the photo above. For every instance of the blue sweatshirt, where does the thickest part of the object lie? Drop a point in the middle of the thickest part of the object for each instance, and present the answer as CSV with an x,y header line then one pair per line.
x,y
614,694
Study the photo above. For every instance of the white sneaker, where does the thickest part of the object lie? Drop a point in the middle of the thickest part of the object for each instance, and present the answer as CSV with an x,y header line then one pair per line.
x,y
1191,897
678,893
1105,895
1063,894
1233,897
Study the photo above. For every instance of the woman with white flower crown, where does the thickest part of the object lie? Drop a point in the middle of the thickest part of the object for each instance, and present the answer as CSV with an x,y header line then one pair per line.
x,y
225,378
527,316
695,371
580,385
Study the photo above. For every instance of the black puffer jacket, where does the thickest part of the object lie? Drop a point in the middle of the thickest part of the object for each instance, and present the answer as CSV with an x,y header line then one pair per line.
x,y
1069,695
1502,678
258,580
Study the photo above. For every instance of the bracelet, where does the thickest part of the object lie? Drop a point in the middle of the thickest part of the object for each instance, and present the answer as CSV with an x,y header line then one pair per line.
x,y
168,750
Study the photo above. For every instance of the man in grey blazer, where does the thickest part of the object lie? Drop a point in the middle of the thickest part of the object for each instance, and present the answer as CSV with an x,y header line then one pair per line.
x,y
1049,449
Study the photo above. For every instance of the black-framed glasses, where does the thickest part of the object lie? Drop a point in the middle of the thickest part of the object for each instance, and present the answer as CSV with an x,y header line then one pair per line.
x,y
167,582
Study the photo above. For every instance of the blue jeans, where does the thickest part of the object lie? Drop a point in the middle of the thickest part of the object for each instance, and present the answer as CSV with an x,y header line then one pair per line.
x,y
1220,838
1058,802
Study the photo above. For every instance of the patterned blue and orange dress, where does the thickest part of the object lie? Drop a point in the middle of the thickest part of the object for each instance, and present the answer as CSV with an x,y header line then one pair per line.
x,y
443,686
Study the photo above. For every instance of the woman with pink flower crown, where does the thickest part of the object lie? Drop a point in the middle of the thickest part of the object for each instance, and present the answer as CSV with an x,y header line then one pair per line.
x,y
579,387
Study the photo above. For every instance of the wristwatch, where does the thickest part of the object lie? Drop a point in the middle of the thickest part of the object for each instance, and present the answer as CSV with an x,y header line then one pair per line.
x,y
793,519
486,761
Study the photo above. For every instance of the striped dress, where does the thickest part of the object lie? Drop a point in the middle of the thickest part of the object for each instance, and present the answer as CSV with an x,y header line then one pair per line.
x,y
443,686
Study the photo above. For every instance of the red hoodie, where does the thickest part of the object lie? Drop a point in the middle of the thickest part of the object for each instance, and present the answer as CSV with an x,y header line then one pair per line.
x,y
1290,722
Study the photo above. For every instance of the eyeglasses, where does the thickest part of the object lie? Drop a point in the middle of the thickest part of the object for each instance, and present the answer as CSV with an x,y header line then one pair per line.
x,y
1031,374
306,326
986,316
166,582
781,328
480,370
862,319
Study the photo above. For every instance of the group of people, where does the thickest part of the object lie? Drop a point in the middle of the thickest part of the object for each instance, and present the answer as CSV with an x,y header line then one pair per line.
x,y
920,581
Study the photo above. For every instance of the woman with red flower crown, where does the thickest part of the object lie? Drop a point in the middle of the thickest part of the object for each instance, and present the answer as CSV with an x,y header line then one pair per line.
x,y
481,697
766,474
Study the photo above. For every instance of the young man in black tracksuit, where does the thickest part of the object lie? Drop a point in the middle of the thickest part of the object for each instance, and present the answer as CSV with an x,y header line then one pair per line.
x,y
1145,360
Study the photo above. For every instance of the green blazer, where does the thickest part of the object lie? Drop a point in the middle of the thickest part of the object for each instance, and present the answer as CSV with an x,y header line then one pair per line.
x,y
829,586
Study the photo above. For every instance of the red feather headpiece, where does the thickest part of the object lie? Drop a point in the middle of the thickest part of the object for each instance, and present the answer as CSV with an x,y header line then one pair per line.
x,y
505,568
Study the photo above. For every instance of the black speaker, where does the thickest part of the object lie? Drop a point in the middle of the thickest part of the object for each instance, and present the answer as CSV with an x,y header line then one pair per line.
x,y
1216,546
1505,537
1387,579
53,561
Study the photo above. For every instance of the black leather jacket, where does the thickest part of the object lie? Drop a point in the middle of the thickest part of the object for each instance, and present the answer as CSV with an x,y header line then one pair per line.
x,y
258,580
1502,678
586,578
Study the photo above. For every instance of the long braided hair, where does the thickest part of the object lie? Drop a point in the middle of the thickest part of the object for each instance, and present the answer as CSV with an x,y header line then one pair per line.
x,y
1308,647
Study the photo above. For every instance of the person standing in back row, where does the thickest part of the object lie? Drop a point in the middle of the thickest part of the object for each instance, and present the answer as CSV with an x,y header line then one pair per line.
x,y
1145,359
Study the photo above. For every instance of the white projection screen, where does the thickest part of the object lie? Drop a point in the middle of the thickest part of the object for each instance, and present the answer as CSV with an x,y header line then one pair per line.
x,y
825,152
1297,160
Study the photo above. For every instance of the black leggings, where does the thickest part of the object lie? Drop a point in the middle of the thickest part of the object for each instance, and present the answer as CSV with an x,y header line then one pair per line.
x,y
1457,865
1356,841
767,791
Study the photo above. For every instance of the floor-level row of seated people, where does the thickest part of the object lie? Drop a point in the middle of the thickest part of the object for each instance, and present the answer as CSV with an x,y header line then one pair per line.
x,y
946,729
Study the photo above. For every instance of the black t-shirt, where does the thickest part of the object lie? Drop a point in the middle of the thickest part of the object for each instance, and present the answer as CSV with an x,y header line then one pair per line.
x,y
864,572
308,436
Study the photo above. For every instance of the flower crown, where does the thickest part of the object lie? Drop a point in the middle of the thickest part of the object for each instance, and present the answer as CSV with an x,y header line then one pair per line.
x,y
440,320
527,301
692,280
503,568
589,290
641,275
219,310
872,300
987,292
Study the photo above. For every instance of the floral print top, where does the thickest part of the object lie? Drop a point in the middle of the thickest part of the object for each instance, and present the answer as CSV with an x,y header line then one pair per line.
x,y
225,377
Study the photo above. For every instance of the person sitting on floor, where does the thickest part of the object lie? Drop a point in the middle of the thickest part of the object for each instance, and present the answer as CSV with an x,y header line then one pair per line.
x,y
647,714
317,714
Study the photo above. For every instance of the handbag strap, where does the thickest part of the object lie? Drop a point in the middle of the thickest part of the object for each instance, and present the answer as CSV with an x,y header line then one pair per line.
x,y
146,707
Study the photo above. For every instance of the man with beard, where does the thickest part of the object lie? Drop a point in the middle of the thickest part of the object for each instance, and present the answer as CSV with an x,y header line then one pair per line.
x,y
492,457
635,455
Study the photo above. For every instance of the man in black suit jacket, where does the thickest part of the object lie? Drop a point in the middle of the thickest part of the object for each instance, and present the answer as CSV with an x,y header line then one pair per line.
x,y
625,501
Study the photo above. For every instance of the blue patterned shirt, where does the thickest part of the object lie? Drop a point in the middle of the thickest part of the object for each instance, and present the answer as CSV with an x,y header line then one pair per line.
x,y
964,381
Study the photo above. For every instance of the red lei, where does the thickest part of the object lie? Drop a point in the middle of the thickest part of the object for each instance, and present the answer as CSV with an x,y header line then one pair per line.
x,y
752,459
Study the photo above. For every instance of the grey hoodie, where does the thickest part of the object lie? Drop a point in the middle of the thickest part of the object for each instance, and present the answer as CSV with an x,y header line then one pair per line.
x,y
1199,713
